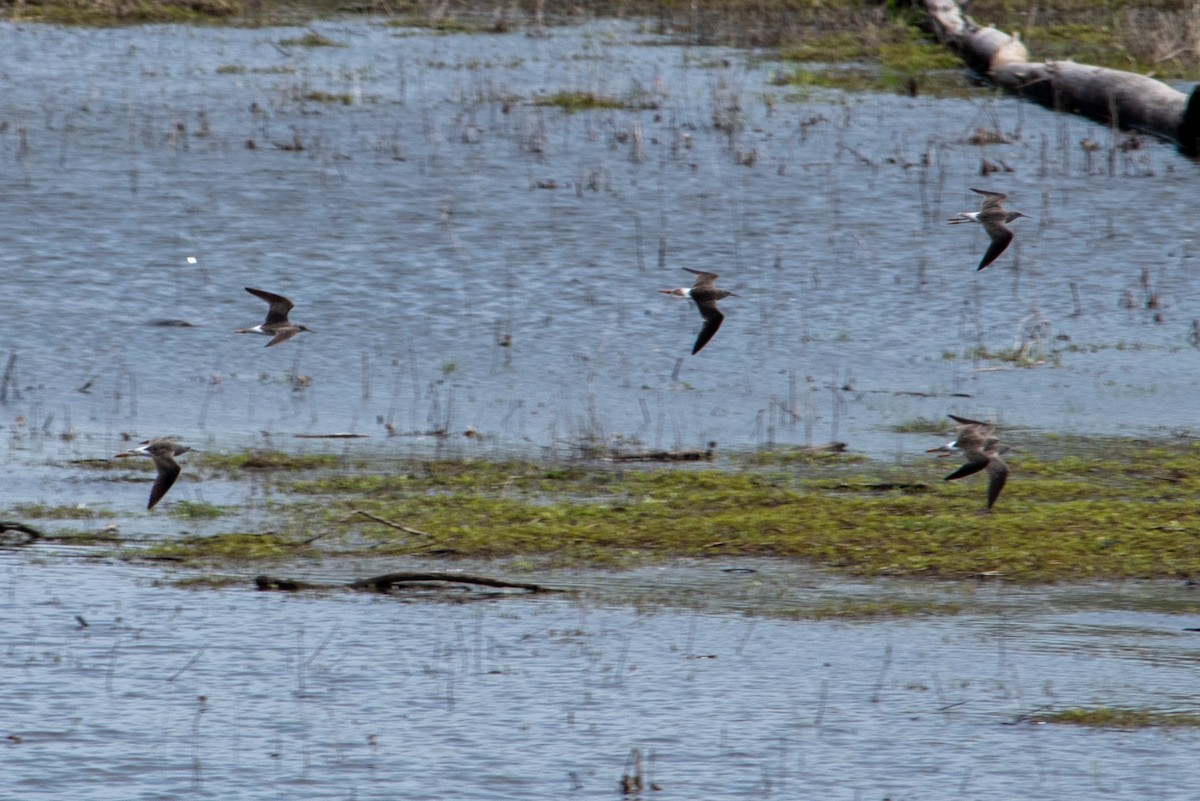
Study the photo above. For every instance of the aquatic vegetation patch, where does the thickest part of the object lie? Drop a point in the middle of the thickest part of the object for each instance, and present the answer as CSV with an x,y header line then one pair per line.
x,y
265,460
447,23
1074,518
942,83
230,548
207,581
38,511
573,101
919,425
1074,509
310,39
328,98
1109,717
241,69
867,610
797,456
84,12
196,510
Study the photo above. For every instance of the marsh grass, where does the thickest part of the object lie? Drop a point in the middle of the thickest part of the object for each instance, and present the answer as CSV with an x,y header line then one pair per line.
x,y
1074,509
37,511
884,609
919,425
328,98
196,510
310,39
100,13
1108,717
208,581
573,101
233,548
266,460
1160,37
798,456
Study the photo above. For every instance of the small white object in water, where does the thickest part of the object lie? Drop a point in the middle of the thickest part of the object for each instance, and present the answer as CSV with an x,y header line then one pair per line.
x,y
191,259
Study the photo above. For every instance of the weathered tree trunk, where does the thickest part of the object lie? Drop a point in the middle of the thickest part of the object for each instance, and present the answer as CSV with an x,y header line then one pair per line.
x,y
1126,99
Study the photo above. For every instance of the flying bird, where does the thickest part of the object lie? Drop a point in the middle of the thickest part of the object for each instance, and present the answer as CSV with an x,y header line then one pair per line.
x,y
982,451
276,324
163,451
706,296
994,219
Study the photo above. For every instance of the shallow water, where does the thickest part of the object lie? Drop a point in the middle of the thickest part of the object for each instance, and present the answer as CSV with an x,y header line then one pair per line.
x,y
234,693
412,236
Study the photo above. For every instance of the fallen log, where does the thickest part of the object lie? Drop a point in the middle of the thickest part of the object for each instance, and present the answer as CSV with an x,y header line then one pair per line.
x,y
388,580
1124,99
385,582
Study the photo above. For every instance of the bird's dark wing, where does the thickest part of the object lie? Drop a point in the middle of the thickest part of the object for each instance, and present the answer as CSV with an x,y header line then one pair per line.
x,y
283,334
976,461
712,321
1001,236
168,471
990,198
702,278
966,421
997,476
280,306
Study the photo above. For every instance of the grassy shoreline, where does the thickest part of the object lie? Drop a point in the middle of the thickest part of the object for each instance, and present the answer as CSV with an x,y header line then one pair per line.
x,y
1074,510
1158,38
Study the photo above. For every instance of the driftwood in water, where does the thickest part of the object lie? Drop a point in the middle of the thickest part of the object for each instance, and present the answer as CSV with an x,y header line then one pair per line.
x,y
335,435
287,585
31,534
1125,99
691,455
388,580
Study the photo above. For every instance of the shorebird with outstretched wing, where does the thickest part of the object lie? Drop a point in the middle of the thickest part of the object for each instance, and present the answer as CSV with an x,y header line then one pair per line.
x,y
163,451
982,452
276,325
706,295
994,218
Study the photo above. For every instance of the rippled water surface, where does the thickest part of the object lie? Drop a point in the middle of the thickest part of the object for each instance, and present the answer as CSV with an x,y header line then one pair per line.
x,y
471,260
436,210
238,694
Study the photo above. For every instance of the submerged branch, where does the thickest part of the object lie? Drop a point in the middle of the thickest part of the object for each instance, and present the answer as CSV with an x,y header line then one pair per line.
x,y
31,534
385,582
389,523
